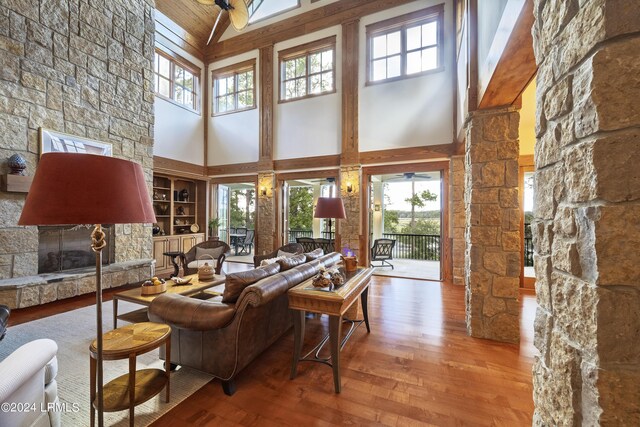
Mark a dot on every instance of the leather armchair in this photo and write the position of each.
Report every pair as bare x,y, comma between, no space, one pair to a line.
28,377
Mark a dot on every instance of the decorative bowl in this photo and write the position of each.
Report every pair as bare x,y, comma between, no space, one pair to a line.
153,287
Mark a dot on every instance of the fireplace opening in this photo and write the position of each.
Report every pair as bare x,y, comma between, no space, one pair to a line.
63,248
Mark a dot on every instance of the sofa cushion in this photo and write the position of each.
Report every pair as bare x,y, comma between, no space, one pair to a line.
285,254
236,282
288,263
314,254
214,252
271,260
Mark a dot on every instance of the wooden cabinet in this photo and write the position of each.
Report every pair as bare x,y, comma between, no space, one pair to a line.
164,244
190,241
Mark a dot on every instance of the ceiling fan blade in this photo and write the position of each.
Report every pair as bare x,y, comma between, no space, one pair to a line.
214,27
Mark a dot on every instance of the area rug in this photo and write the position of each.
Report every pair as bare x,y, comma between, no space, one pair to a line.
73,331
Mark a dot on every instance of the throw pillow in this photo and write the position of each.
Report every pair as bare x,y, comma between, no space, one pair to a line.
314,254
285,254
270,260
235,283
200,262
288,263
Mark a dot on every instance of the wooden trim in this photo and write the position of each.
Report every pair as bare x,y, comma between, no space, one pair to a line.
168,32
350,62
322,173
410,18
424,152
232,169
446,248
166,166
205,109
273,15
266,108
252,179
307,162
401,23
472,39
175,59
234,68
526,160
307,48
515,67
314,20
180,60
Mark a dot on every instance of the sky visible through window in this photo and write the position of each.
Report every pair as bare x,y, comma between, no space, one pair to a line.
271,7
399,191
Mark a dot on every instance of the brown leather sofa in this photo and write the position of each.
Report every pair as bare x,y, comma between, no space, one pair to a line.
223,338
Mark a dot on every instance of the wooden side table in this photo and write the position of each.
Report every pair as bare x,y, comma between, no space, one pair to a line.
136,387
336,303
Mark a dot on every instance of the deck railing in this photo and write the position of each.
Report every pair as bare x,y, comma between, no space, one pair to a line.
528,246
294,234
415,246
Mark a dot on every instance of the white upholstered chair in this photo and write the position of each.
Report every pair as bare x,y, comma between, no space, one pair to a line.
28,376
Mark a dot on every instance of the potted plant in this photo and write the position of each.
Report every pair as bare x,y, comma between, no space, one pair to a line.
214,224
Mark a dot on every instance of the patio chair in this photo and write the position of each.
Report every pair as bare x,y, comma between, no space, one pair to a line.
241,230
215,248
382,251
246,244
326,245
308,243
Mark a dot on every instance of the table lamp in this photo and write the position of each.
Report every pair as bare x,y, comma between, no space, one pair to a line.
70,189
329,207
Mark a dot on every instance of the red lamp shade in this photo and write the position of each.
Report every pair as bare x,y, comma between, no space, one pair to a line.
330,207
73,188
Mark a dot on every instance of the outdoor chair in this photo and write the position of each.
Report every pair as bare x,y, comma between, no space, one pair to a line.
325,244
382,251
241,230
308,243
246,244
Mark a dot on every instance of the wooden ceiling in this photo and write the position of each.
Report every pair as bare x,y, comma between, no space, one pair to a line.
196,18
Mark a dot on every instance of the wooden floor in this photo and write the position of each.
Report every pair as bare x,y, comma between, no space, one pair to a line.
417,367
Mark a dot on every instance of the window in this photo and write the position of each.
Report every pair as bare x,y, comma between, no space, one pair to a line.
260,9
405,46
176,80
234,88
308,70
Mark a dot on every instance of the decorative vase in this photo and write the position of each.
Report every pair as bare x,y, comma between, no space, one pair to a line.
17,164
184,195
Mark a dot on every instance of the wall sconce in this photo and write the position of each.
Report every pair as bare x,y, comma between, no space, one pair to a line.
349,187
263,191
376,207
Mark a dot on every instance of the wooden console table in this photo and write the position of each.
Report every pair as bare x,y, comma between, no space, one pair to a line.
304,297
136,387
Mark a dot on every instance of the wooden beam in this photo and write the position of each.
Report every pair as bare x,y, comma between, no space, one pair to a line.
350,54
516,66
317,19
266,108
206,113
171,35
177,167
307,162
233,169
423,152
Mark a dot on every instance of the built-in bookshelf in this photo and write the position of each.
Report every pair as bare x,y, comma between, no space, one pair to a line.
177,205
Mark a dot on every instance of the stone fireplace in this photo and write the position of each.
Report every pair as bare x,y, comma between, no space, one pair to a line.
69,248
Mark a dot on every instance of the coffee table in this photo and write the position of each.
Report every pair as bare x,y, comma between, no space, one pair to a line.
336,302
195,288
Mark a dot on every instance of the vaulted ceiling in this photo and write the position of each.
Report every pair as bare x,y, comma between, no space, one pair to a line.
195,18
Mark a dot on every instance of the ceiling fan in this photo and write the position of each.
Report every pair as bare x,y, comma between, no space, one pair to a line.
408,176
237,10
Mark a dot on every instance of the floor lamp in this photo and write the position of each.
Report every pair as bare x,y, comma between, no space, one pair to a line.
330,207
71,189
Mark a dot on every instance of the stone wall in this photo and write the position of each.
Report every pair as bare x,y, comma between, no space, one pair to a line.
457,214
266,214
350,226
80,67
586,232
492,255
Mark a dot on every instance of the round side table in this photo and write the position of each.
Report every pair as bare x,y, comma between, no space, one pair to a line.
136,387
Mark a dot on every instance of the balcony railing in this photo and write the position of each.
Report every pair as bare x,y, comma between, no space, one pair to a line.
528,246
415,246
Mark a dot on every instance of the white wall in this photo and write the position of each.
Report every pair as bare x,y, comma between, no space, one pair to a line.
410,112
235,138
311,126
178,132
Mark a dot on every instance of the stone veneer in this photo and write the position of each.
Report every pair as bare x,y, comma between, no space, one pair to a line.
266,214
492,258
80,67
458,220
350,226
586,232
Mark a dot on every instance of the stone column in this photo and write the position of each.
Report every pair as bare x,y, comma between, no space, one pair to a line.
458,221
492,257
586,232
266,215
350,227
